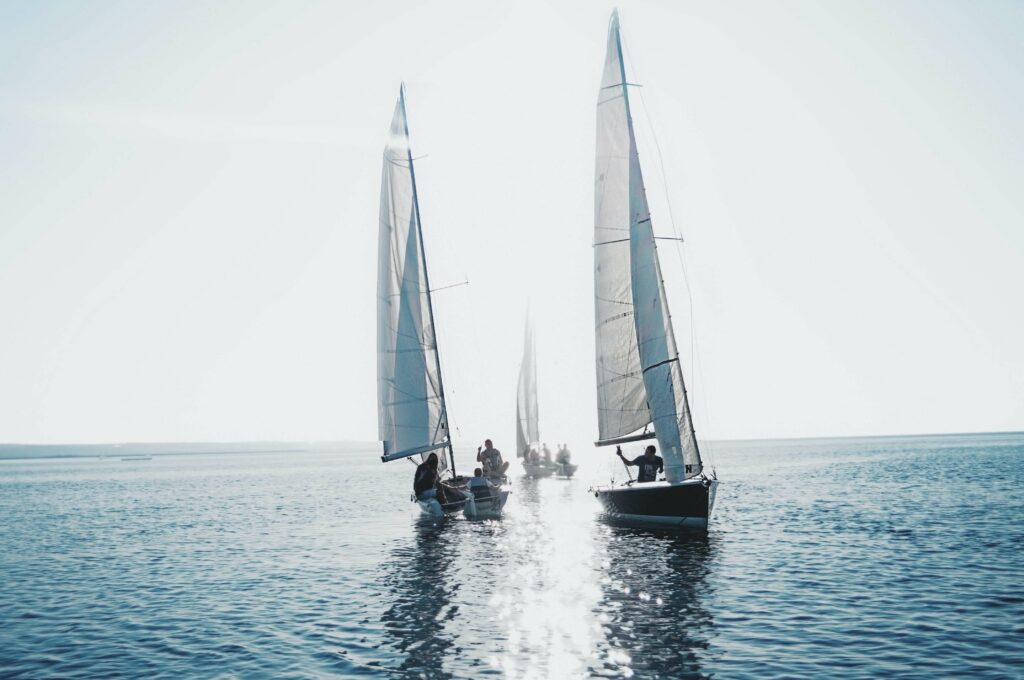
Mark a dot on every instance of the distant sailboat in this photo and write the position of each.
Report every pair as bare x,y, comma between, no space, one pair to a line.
528,412
412,413
639,378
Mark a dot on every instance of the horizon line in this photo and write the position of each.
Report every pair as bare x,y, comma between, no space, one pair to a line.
375,441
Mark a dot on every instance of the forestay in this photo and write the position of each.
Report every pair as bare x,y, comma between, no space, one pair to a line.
639,379
527,423
412,416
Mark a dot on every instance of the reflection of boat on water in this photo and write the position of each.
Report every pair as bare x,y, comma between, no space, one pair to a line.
639,377
657,622
413,416
136,457
420,601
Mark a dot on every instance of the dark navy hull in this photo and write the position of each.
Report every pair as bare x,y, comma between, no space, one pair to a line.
684,505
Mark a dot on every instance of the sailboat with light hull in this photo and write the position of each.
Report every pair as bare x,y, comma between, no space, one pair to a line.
412,412
528,412
641,394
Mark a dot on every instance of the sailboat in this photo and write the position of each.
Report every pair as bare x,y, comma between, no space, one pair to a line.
412,412
640,390
527,411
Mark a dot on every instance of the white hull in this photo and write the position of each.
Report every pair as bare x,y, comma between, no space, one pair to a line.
539,469
433,508
565,470
488,507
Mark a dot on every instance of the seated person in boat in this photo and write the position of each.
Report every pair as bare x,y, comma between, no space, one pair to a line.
427,483
479,486
534,457
563,457
547,453
491,459
650,464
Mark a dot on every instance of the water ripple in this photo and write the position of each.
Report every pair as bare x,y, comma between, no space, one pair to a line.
826,558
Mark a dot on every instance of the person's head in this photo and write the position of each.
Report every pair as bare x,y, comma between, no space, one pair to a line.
649,451
478,472
488,444
432,460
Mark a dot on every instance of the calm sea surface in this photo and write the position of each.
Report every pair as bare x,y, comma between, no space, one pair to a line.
887,557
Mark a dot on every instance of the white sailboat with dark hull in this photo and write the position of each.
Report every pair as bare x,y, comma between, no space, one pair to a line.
412,413
640,390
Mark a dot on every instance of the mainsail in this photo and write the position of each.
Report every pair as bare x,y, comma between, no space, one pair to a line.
410,396
527,425
639,378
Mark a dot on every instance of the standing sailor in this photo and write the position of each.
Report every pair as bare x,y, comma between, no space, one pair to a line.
649,463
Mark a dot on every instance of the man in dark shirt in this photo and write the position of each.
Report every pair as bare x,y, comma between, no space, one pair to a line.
426,478
649,463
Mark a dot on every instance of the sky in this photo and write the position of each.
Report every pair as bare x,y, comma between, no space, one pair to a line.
189,194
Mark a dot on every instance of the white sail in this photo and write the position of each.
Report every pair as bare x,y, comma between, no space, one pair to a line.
527,423
621,401
412,416
639,378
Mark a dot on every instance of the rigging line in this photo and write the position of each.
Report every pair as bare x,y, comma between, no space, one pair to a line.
671,216
628,84
451,285
679,253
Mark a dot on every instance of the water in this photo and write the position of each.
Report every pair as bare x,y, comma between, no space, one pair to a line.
826,558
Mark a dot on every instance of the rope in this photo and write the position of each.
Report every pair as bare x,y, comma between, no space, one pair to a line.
705,411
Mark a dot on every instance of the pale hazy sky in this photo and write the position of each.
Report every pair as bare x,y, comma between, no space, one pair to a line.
189,195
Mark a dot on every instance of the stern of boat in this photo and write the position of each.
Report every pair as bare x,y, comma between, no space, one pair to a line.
682,505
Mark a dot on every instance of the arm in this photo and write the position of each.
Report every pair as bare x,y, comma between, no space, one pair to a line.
478,454
625,461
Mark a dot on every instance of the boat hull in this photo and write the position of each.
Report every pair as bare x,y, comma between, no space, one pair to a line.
489,507
683,505
433,507
539,469
565,470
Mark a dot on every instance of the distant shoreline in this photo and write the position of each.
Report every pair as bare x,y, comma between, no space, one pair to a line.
40,451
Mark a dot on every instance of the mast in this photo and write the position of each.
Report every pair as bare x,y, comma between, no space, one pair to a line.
426,279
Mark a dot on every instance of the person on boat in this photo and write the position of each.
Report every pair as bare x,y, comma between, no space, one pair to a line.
563,457
650,464
427,483
491,458
534,456
480,486
547,452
